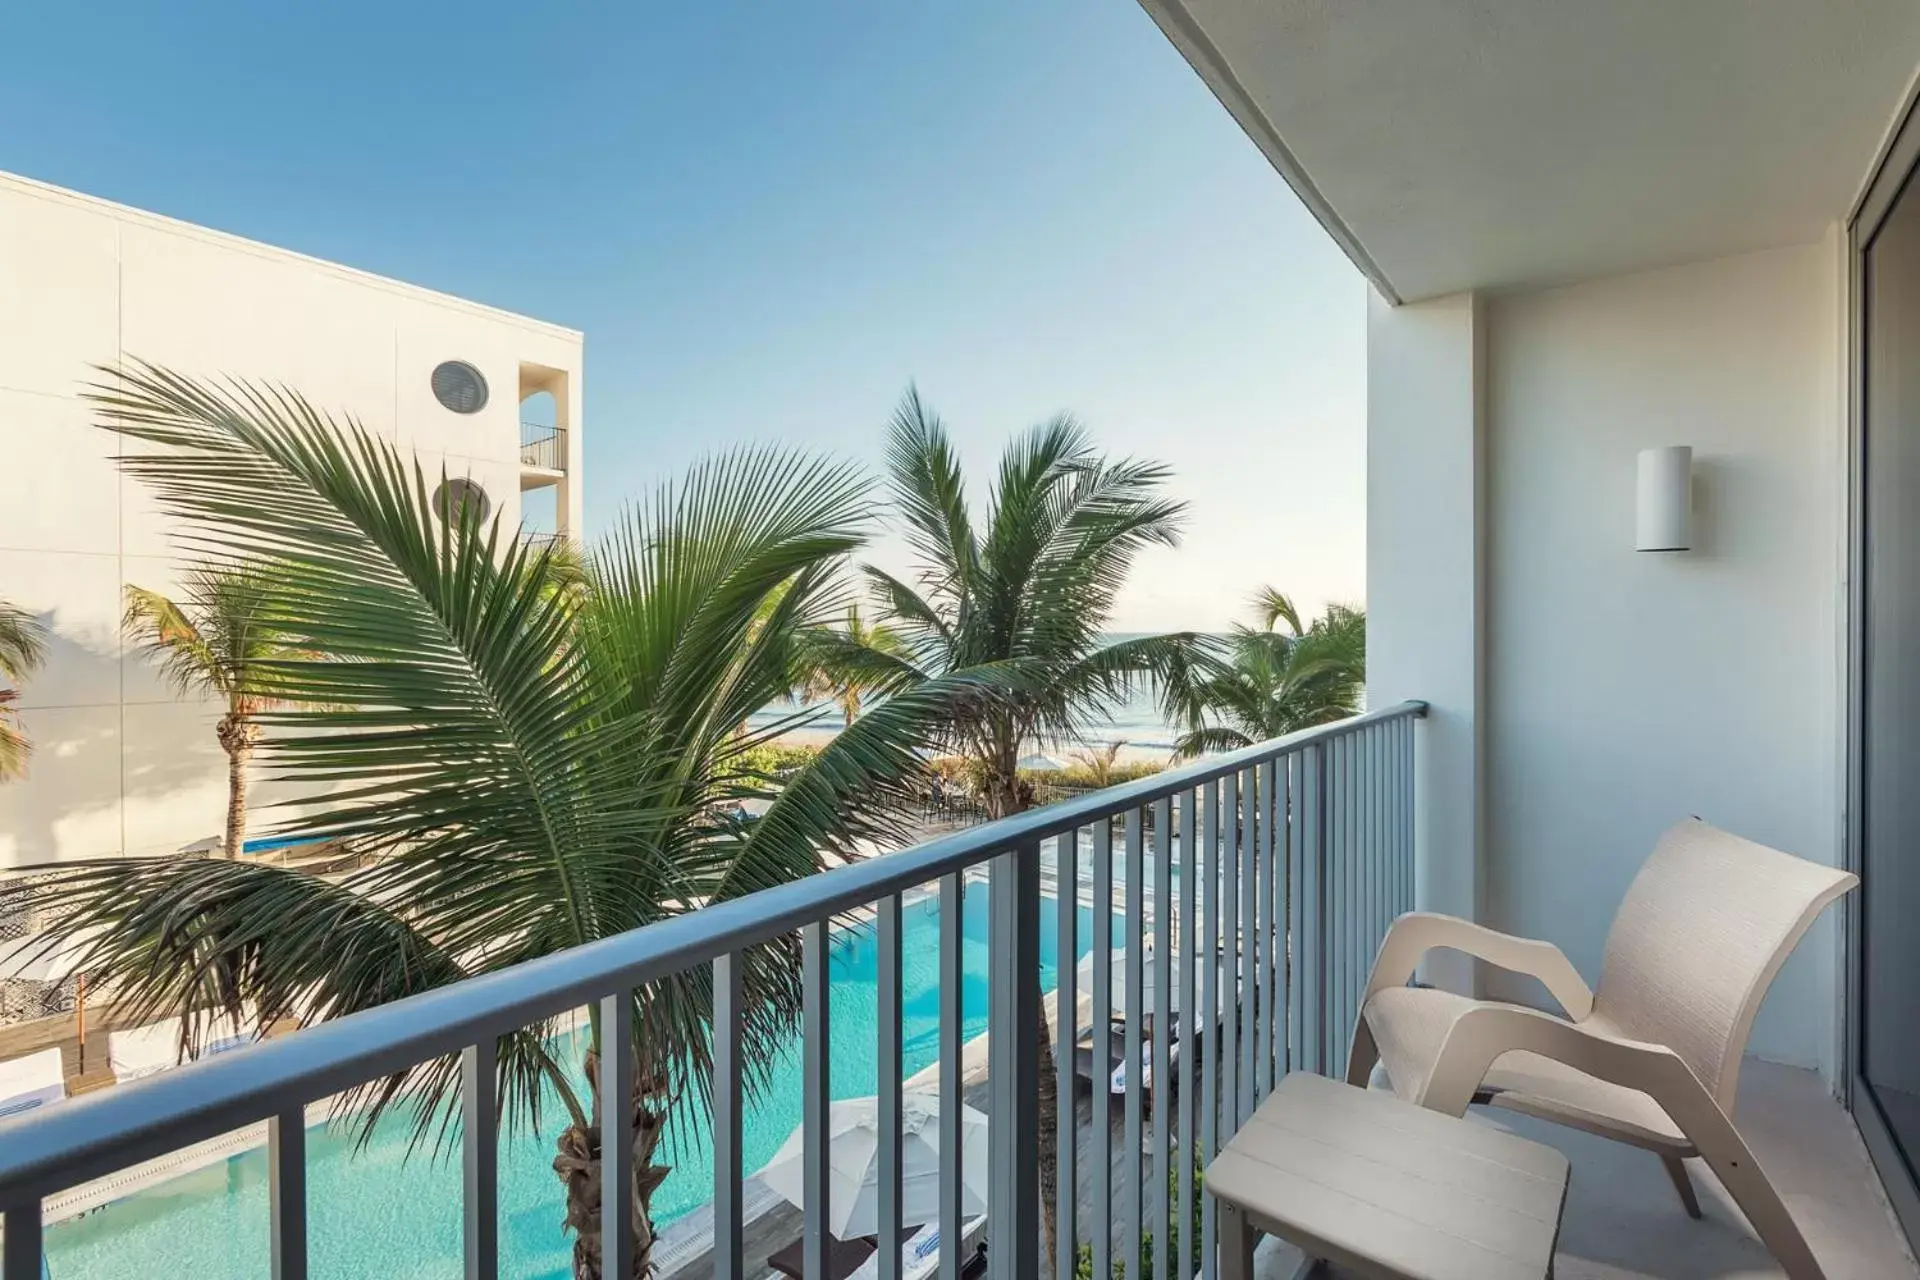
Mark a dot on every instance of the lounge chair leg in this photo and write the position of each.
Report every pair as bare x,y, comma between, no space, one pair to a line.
1728,1155
1677,1170
1363,1054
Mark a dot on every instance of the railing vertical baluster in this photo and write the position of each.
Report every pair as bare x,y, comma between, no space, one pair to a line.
1163,1030
1317,906
1132,1192
1286,883
480,1158
729,1230
1265,932
1100,1100
1187,976
616,1134
891,1067
1335,926
1344,917
1409,794
1249,1001
1292,918
952,939
1389,846
287,1192
1234,981
21,1258
1013,1199
1066,1023
816,1097
1210,1009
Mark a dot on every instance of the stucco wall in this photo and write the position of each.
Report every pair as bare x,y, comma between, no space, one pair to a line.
1626,690
1424,576
119,762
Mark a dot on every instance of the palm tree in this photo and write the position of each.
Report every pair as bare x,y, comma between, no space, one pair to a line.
1099,763
23,647
1018,606
850,684
1274,681
538,766
217,641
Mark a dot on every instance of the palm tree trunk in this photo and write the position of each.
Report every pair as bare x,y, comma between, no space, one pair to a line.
578,1165
236,736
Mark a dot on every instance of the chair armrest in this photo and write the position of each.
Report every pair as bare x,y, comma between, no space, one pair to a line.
1481,1035
1418,932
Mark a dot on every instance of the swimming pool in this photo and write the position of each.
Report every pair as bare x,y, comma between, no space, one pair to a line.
373,1212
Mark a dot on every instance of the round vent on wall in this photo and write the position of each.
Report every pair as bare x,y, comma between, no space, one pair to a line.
460,497
459,386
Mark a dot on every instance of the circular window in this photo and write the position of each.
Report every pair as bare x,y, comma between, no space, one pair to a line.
459,386
459,499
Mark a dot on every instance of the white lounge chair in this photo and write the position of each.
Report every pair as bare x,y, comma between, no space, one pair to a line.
1652,1057
920,1252
141,1051
32,1082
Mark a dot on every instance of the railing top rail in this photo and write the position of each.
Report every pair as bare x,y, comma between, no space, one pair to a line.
49,1150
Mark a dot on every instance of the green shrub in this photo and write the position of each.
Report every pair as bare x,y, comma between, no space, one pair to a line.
776,760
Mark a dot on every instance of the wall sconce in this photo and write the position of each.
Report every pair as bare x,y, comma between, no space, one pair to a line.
1664,516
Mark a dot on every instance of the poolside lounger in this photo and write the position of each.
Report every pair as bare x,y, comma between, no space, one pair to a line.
920,1254
843,1257
141,1051
32,1082
1117,1055
1651,1058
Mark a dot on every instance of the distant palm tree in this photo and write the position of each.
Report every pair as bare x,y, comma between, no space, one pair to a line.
23,647
539,764
219,641
1099,762
849,685
1275,681
1020,604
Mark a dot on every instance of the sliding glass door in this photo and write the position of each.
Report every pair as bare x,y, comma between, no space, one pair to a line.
1884,844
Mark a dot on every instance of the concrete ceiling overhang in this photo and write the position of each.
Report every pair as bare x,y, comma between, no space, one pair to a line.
1455,144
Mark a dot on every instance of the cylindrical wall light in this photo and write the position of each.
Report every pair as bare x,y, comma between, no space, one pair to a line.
1664,516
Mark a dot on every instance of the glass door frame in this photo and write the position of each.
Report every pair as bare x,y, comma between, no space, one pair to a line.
1898,168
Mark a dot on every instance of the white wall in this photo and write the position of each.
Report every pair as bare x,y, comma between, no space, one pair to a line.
121,764
1626,690
1424,576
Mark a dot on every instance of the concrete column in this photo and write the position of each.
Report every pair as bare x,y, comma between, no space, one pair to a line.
1426,535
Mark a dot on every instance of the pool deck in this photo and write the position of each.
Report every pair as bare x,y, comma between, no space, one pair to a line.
684,1248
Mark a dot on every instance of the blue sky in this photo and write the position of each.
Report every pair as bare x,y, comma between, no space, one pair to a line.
769,218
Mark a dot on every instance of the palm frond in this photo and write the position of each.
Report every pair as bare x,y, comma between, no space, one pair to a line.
23,643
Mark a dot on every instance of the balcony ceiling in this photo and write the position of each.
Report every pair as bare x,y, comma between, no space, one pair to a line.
1454,144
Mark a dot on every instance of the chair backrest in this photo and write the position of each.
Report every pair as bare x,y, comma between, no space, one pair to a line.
1705,926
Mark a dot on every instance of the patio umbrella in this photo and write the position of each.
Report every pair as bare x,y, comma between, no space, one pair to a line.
1149,987
853,1137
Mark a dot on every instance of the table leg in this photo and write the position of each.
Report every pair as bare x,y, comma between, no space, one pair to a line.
1236,1243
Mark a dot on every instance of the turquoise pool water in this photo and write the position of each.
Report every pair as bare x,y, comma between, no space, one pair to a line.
374,1212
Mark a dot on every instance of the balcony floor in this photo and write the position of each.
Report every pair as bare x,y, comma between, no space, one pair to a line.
1624,1221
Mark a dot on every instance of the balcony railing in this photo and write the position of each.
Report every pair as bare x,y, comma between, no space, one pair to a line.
1293,856
543,445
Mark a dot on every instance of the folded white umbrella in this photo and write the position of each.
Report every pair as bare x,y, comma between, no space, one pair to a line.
1149,985
29,1083
853,1139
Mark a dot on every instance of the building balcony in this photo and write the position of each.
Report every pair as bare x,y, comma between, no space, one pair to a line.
1294,857
543,449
